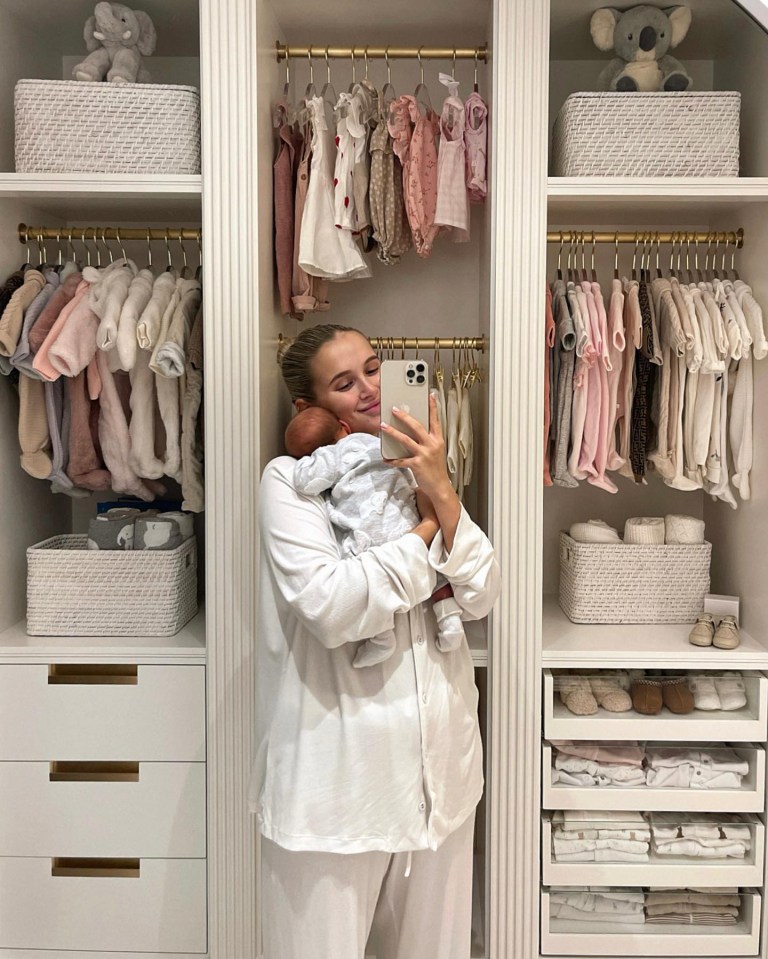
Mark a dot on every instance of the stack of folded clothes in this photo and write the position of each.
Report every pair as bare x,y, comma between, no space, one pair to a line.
581,835
598,764
596,904
700,836
701,906
694,767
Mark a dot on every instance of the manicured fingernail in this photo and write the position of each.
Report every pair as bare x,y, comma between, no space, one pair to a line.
385,426
395,409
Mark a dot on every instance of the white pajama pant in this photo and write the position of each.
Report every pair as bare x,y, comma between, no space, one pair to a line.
320,905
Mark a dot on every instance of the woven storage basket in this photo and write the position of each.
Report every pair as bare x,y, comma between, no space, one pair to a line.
621,583
647,134
76,591
68,126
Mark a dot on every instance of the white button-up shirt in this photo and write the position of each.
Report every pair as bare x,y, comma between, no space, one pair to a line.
350,760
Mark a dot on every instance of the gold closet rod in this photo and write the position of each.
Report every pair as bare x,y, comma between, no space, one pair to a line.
27,233
383,53
477,343
731,237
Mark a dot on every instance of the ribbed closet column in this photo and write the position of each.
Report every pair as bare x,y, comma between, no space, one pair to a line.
228,89
519,159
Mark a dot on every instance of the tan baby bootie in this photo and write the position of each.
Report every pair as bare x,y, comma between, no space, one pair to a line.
608,692
646,696
576,694
676,695
727,634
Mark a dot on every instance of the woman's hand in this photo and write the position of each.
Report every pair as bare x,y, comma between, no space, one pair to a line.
426,460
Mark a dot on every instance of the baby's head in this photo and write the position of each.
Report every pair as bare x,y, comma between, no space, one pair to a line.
312,428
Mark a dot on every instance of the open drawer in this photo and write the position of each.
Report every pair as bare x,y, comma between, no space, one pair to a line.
749,796
583,937
748,724
574,862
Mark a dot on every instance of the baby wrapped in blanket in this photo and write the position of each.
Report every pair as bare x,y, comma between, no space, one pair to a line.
369,502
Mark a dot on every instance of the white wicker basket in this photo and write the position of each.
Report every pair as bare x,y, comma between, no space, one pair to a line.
69,126
76,591
622,583
647,134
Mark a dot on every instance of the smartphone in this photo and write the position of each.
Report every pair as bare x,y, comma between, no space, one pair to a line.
405,384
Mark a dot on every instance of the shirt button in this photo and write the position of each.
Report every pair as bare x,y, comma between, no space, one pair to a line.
422,805
424,697
420,640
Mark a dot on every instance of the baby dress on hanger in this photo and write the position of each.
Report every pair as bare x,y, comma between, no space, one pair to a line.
452,209
476,147
325,250
388,217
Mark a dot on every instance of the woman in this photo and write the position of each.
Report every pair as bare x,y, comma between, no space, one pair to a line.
365,780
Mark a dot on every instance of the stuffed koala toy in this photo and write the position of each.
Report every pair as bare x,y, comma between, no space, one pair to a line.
117,38
641,37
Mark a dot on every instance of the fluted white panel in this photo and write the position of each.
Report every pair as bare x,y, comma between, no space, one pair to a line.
228,88
519,158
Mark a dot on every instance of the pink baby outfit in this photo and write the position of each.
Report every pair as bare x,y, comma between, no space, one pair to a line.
284,176
414,138
309,294
604,368
476,146
616,346
452,209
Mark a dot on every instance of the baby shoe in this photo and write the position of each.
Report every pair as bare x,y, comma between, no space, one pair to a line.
703,630
646,696
727,634
576,695
731,690
676,695
608,693
704,692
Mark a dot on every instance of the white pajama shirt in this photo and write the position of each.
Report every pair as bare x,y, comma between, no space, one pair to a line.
355,760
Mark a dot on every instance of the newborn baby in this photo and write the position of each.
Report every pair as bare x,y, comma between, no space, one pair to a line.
370,502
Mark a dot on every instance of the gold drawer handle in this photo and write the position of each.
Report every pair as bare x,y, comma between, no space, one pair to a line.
108,868
93,772
106,674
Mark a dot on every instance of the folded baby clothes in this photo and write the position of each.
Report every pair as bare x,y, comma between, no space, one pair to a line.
602,906
572,771
604,751
644,531
611,836
682,530
594,531
694,768
703,836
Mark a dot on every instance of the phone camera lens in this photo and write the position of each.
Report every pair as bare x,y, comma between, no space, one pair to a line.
410,374
419,379
420,367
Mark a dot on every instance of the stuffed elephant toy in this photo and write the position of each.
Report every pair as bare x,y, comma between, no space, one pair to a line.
116,38
641,37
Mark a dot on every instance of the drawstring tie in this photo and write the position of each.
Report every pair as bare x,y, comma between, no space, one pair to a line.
408,865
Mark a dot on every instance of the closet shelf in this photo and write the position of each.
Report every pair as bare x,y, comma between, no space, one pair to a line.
660,870
676,196
738,726
561,937
567,645
187,647
749,798
74,196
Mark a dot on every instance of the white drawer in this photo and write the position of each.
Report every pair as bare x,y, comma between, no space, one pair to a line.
749,724
161,908
115,809
86,713
749,798
568,937
679,872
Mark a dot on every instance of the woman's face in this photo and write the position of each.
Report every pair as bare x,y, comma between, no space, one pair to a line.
346,375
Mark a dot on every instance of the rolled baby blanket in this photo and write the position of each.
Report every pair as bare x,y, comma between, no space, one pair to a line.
110,533
186,522
683,530
593,531
164,531
644,531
